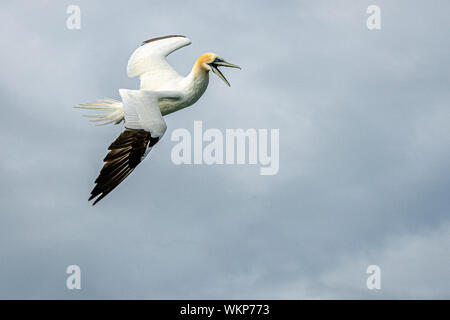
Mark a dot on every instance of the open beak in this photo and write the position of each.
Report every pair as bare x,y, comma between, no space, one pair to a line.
215,69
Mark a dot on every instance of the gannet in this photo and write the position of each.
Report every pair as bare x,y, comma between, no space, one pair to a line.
162,91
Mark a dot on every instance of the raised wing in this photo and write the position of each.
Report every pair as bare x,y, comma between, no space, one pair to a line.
149,60
144,126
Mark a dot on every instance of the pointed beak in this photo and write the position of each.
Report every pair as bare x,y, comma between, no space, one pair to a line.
226,64
223,64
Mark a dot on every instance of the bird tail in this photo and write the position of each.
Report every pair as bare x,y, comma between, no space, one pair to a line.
112,111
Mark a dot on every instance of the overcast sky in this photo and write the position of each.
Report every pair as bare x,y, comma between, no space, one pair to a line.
364,153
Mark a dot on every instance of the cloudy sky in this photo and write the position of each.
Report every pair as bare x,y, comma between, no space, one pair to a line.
364,153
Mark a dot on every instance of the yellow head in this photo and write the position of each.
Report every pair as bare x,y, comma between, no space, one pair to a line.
210,62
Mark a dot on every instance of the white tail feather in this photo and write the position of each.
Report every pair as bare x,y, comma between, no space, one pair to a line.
113,111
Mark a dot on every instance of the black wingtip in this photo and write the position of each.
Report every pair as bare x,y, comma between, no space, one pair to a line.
126,152
162,38
92,197
98,198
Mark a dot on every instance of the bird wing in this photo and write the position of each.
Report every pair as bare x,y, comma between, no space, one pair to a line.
149,60
144,126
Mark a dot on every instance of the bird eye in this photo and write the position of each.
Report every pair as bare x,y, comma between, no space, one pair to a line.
217,60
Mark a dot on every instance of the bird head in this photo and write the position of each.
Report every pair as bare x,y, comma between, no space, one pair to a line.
212,62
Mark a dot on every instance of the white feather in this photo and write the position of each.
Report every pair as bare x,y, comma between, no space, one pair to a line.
149,62
142,111
168,91
112,111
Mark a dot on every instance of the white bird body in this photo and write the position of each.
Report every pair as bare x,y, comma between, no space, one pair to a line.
162,91
155,73
191,89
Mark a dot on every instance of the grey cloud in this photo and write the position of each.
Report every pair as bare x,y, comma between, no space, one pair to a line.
364,152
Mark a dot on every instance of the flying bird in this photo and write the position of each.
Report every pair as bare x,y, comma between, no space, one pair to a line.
162,91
